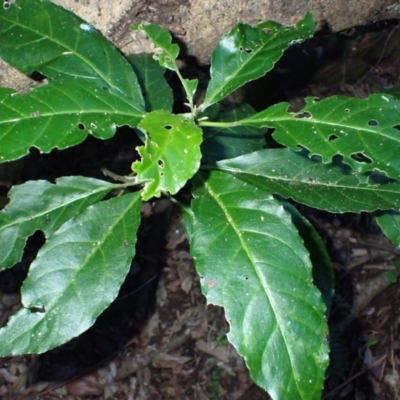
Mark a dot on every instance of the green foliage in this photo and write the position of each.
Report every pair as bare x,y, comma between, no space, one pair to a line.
246,53
257,256
244,242
57,204
171,154
60,281
361,130
158,95
26,120
166,53
39,36
334,187
220,143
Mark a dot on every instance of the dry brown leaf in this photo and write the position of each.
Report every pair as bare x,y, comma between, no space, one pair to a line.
87,386
220,353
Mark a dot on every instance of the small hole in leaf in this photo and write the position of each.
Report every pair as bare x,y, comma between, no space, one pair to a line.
249,51
240,48
168,127
92,125
304,114
361,158
161,163
332,137
373,122
6,5
81,126
347,110
35,309
105,88
267,31
167,59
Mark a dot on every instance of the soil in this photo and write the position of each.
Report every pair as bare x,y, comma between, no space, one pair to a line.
159,339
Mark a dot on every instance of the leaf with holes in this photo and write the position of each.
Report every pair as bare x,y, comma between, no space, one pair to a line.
333,187
157,93
366,132
247,53
171,154
41,205
166,53
77,274
61,114
40,36
252,262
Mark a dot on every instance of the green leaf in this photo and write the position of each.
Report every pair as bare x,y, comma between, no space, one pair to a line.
38,35
166,53
60,114
41,205
389,222
395,92
246,53
76,275
156,91
222,143
392,277
364,131
252,262
333,187
322,269
171,154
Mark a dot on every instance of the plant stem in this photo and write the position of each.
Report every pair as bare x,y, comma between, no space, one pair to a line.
187,91
218,124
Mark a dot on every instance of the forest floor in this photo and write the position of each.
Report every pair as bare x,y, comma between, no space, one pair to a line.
177,348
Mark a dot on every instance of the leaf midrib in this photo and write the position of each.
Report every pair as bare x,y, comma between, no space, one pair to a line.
209,102
248,253
63,45
321,122
30,218
238,171
89,255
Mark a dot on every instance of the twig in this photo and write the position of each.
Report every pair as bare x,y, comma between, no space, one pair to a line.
118,178
131,365
380,57
389,248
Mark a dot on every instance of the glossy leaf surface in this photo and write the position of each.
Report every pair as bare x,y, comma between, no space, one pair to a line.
41,205
334,188
252,262
37,35
166,53
246,53
171,154
60,114
222,143
76,275
157,93
364,131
